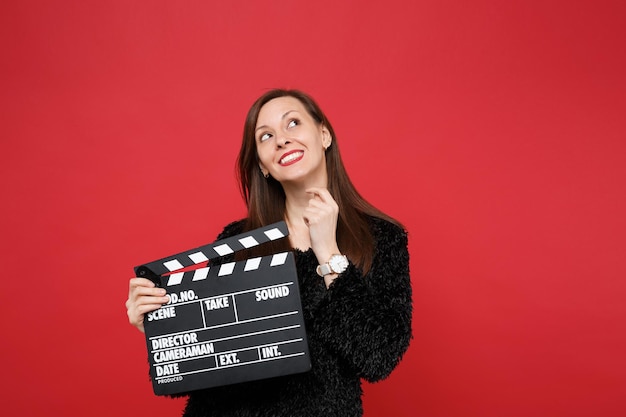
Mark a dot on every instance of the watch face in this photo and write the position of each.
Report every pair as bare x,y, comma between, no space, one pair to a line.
338,263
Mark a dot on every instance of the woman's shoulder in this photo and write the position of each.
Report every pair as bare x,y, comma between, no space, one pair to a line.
385,227
231,229
388,235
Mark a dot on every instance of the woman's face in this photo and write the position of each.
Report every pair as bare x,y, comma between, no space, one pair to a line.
290,143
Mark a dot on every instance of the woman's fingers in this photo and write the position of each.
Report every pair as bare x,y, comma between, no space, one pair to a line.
321,217
143,297
322,194
322,207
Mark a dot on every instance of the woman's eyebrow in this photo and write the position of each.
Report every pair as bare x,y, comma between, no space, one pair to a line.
285,115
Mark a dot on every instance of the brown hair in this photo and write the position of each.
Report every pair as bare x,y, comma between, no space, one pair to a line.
265,198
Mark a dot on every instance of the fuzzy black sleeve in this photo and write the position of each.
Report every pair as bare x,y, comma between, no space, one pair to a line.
366,319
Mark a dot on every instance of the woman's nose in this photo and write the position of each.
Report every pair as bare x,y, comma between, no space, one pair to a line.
281,141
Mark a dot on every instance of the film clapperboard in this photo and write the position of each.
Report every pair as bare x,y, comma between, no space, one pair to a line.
228,323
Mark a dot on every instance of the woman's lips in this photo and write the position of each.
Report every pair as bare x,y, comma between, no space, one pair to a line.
291,158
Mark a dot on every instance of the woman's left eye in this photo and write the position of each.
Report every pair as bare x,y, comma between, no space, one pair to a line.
292,123
264,137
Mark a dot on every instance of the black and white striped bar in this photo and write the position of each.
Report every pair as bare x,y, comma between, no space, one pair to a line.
213,250
223,270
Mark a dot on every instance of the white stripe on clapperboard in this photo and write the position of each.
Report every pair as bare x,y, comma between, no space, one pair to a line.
227,268
199,274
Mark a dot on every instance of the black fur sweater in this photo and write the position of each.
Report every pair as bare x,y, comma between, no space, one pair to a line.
359,328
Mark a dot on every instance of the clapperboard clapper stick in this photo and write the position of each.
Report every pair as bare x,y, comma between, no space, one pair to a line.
228,323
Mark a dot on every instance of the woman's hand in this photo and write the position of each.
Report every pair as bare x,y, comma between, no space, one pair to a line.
143,297
321,218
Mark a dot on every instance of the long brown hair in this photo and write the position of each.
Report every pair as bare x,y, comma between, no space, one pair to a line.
265,198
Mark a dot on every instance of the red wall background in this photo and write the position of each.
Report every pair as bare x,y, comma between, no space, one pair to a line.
494,130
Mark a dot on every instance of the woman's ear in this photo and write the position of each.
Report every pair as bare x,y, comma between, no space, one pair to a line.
327,138
264,171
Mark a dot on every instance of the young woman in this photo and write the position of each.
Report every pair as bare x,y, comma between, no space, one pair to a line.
352,262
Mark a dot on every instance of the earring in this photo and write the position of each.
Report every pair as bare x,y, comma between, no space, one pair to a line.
265,173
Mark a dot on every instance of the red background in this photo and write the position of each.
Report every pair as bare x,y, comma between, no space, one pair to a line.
494,130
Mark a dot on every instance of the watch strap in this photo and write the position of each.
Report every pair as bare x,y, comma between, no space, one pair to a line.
323,270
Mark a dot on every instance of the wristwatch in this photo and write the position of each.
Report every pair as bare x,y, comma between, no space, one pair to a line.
336,264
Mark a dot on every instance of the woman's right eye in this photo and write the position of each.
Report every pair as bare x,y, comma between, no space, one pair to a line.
264,137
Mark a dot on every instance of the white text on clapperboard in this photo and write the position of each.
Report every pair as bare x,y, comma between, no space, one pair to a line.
169,350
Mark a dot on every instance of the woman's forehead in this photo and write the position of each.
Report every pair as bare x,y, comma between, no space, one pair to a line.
278,107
